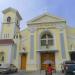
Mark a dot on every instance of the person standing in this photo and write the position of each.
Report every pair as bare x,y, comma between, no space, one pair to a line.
50,70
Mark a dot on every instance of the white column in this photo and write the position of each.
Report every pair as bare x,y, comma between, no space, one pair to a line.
38,41
10,54
31,62
57,62
32,45
54,40
38,61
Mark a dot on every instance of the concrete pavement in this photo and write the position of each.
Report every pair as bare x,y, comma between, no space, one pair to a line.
34,73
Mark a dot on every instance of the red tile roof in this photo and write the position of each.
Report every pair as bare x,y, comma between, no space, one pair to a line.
6,41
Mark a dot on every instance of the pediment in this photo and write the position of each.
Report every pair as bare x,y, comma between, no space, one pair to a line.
45,18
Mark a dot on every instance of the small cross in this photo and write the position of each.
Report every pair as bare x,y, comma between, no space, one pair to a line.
46,40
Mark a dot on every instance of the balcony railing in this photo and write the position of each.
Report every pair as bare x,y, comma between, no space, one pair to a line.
6,36
9,36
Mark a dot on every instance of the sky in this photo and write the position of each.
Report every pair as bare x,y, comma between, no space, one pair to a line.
29,9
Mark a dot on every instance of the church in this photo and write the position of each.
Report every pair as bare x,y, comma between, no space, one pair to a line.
46,38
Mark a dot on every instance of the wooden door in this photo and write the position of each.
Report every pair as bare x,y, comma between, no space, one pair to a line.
23,61
47,56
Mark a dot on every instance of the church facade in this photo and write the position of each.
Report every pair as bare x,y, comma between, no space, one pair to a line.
46,38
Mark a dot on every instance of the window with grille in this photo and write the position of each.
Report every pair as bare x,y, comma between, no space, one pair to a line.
46,39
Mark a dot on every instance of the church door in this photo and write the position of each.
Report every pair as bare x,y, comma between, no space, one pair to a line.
23,61
47,56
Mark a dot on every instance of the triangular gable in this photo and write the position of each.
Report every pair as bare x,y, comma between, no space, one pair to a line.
45,18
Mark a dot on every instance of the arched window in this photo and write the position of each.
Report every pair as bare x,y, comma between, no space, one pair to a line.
9,19
46,39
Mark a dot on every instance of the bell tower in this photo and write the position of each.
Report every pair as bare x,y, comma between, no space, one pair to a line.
11,23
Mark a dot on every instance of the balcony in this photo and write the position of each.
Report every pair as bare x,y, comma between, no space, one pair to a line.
9,36
6,36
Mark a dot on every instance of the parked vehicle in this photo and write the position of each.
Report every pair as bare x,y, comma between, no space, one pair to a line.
7,68
68,67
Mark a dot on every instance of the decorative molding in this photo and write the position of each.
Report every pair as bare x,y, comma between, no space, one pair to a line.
48,26
9,23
